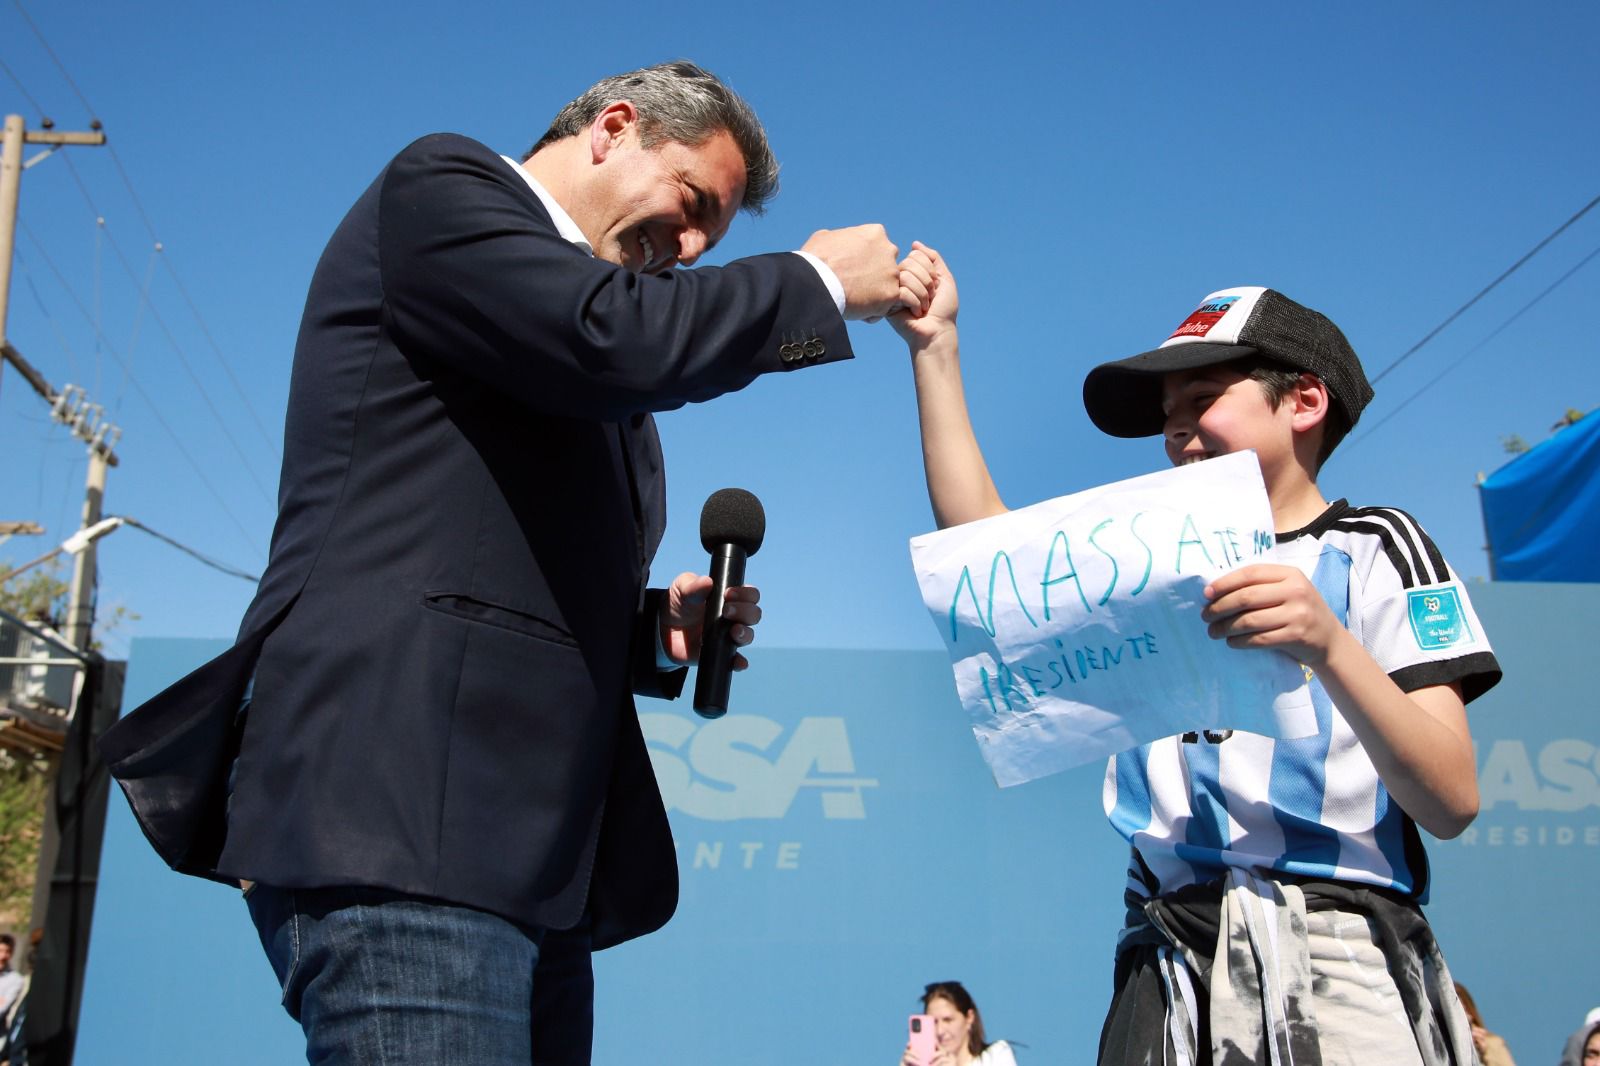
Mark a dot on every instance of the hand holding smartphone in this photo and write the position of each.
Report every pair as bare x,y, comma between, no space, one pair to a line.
923,1042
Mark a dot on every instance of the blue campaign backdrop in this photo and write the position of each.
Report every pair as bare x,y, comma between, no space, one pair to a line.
1541,510
841,843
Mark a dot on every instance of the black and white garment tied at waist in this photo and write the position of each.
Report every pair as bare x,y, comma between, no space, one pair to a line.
1173,1004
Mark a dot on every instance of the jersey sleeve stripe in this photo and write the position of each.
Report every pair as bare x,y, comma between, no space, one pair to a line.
1405,532
1477,672
1405,564
1441,572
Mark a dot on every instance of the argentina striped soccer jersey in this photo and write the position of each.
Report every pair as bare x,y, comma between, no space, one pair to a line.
1193,805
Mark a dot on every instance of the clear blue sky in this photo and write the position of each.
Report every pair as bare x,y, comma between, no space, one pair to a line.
1090,172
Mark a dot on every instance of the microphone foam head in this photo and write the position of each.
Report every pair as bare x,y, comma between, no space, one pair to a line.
733,516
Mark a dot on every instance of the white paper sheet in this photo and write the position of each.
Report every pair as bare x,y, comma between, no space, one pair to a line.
1074,625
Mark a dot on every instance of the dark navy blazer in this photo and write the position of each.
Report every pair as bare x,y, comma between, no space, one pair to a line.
454,614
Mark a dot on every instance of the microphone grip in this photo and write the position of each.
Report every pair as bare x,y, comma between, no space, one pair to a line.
717,649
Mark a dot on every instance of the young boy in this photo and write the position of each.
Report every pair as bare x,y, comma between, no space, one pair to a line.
1273,886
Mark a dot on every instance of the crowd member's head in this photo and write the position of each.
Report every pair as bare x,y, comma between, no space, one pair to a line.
654,163
956,1020
1591,1046
8,945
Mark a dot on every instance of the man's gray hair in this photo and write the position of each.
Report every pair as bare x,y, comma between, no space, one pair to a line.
681,103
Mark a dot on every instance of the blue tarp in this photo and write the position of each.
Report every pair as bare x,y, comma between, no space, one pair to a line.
1541,511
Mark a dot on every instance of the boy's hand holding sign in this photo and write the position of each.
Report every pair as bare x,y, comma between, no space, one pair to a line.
1075,625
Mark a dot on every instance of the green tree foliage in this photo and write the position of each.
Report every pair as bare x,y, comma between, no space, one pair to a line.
38,595
24,783
1514,444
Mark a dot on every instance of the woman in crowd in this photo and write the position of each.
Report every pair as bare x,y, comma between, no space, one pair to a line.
958,1028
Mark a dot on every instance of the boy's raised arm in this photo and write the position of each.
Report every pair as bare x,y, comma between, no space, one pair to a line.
959,485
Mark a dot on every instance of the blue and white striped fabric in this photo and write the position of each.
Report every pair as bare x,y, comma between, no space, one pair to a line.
1194,806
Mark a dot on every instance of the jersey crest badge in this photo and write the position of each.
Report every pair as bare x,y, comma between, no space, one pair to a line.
1437,619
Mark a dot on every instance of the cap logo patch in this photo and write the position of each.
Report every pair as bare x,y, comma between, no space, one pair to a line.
1204,317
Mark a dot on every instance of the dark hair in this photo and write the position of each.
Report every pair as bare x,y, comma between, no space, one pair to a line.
1277,380
961,1000
9,941
684,104
1594,1031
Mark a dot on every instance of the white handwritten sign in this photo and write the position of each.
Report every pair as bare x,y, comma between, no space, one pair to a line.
1074,625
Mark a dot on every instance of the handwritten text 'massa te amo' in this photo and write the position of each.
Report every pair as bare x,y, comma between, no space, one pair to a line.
1187,546
1120,561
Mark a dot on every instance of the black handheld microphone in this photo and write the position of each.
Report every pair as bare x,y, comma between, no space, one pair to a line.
732,525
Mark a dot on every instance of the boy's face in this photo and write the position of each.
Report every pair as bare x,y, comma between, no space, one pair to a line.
1216,410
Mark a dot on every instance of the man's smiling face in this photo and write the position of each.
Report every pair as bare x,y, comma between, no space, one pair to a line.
652,209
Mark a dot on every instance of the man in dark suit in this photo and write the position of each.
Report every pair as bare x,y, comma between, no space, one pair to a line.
422,750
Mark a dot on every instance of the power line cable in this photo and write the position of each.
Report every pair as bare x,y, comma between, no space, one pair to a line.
172,340
100,336
149,402
194,309
1474,349
177,349
205,331
138,205
1512,269
51,52
44,309
23,89
223,567
183,359
138,320
99,303
144,216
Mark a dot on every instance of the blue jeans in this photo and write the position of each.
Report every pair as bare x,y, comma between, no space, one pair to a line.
381,979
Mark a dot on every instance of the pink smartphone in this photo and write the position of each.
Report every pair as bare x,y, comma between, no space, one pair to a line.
924,1044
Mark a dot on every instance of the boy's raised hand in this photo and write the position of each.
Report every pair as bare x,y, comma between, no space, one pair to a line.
959,485
924,274
1269,606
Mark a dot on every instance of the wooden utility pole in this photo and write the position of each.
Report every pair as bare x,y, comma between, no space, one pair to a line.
71,408
12,165
54,998
80,599
80,616
69,850
12,529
